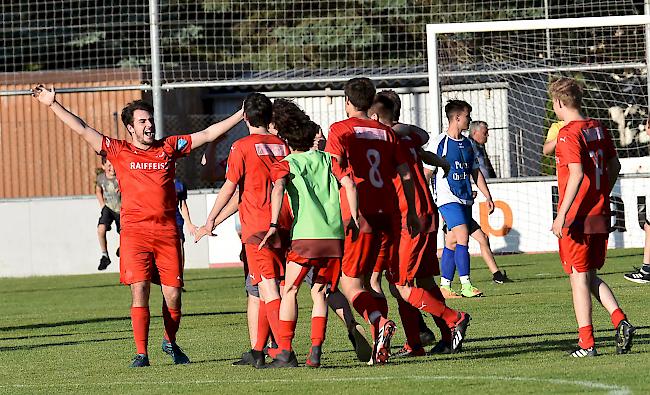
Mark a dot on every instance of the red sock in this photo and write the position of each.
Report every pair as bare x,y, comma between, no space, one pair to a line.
140,321
425,300
262,327
586,336
287,331
171,320
382,303
365,304
617,317
318,328
445,332
410,321
273,315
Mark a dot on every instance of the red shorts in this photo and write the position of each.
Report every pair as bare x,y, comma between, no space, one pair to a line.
417,258
326,270
388,253
584,252
151,256
267,263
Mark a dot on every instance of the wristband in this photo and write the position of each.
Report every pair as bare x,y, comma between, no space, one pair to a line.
273,225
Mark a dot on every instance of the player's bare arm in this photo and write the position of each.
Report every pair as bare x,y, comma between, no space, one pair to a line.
225,194
412,220
185,213
402,129
480,182
576,173
48,98
549,147
277,196
353,202
216,130
99,193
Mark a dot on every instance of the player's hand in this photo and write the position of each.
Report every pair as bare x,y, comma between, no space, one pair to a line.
490,205
192,228
44,95
200,232
353,228
558,224
272,230
413,224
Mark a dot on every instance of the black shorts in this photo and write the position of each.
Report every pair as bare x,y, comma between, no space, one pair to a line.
107,217
473,227
251,290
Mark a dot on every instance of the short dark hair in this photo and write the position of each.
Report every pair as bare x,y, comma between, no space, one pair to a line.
300,137
397,102
293,125
454,107
384,107
361,92
258,109
127,112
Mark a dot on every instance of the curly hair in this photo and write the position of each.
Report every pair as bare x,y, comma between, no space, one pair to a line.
293,125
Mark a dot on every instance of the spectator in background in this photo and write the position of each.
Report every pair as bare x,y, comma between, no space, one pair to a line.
183,216
478,135
109,196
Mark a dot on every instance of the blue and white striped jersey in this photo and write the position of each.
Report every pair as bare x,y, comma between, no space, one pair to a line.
457,186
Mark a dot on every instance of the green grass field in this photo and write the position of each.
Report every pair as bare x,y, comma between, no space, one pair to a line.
73,334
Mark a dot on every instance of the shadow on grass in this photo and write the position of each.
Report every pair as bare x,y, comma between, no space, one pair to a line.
63,334
68,343
36,289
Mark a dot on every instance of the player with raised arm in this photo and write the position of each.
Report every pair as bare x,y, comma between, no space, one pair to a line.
587,169
311,179
453,195
370,150
417,255
249,169
145,168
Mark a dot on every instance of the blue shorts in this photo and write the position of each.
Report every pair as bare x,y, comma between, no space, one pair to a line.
456,214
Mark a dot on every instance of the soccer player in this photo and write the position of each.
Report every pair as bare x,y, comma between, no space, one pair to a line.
249,168
145,169
587,169
417,254
453,195
108,194
311,179
642,275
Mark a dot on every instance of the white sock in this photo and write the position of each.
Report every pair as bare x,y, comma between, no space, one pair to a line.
464,279
444,282
374,316
105,253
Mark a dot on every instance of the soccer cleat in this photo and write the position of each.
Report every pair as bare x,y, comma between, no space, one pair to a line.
470,291
639,276
624,336
258,359
584,352
361,346
382,342
442,348
313,359
406,352
458,332
499,278
104,262
246,359
285,359
427,337
172,349
449,293
139,361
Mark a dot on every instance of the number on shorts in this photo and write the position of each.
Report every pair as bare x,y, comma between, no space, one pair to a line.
374,158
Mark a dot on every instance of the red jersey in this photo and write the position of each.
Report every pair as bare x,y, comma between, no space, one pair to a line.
424,204
146,179
371,150
249,166
589,143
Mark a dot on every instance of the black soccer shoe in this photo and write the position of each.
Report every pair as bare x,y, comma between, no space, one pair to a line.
139,361
639,276
104,262
259,361
500,277
584,352
624,336
246,359
313,359
285,359
427,337
458,332
442,348
172,349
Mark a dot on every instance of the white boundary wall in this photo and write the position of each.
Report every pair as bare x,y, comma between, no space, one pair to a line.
58,236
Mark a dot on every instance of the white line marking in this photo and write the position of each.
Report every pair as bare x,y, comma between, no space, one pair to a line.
612,389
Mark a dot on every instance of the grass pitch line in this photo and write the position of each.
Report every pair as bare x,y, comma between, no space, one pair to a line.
592,385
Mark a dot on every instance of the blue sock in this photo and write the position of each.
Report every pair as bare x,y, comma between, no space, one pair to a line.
447,264
461,259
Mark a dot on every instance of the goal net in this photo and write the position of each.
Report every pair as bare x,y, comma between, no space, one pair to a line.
515,61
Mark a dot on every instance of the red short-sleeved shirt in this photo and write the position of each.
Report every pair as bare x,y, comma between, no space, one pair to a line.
146,179
424,204
370,149
249,166
589,143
